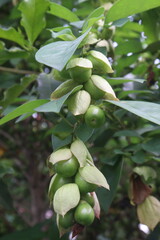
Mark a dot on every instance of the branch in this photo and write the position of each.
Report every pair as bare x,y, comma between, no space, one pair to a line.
17,71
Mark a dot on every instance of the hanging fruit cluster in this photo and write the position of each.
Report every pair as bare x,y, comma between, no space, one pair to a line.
72,187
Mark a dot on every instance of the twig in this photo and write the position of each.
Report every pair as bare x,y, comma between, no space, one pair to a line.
17,71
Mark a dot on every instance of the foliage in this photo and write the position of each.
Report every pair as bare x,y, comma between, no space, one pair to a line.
37,39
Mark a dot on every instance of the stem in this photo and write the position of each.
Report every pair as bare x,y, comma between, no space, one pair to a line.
70,124
17,71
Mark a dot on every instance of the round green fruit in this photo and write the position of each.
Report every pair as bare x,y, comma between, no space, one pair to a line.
67,168
66,221
80,69
84,186
84,214
56,182
88,198
94,117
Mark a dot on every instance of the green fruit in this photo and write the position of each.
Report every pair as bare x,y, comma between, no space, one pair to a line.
80,69
101,65
56,182
88,198
93,90
84,214
67,168
84,186
94,117
66,221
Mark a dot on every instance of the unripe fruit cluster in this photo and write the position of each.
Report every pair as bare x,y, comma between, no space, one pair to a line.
75,174
67,171
94,87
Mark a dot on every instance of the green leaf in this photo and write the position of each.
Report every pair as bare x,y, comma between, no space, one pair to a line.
91,174
125,8
60,155
147,110
12,53
150,26
65,34
116,81
33,20
66,198
139,157
12,35
123,94
93,18
55,105
62,12
79,102
59,143
24,108
84,132
13,92
152,146
63,89
127,133
112,174
131,46
79,150
57,54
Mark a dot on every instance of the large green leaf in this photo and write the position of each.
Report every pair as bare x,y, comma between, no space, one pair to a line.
133,46
152,146
150,26
14,91
147,110
33,17
125,8
57,54
12,35
62,12
112,174
55,105
116,81
24,108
